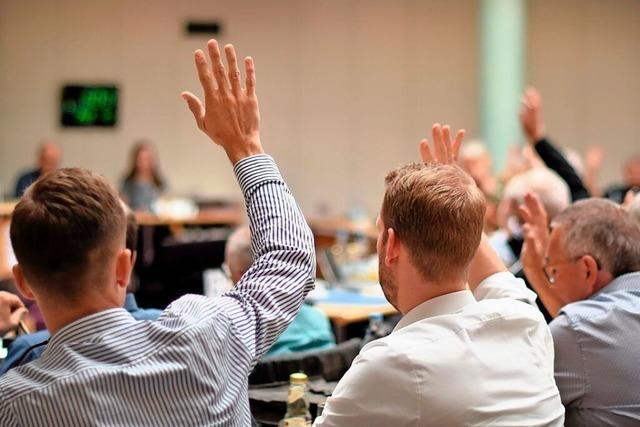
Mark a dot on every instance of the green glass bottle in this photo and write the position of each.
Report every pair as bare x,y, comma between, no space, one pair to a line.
298,414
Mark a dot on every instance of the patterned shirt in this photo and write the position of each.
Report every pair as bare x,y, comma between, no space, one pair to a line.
190,367
597,354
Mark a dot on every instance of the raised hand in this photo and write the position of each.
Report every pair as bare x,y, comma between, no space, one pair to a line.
594,157
445,150
536,232
11,311
230,115
531,115
536,239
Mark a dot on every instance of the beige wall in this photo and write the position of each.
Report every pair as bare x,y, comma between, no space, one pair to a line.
346,87
584,56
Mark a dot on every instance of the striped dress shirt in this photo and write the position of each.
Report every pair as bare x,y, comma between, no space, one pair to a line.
190,367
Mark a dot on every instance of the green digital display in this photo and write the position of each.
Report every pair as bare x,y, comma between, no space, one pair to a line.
84,106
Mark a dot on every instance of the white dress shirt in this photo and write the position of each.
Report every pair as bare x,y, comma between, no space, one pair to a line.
458,359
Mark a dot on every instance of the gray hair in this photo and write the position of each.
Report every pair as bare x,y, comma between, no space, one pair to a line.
238,251
604,230
546,184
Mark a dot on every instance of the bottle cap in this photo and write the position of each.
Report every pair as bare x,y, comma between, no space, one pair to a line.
298,378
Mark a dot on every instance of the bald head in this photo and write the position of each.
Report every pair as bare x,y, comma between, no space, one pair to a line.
49,155
238,254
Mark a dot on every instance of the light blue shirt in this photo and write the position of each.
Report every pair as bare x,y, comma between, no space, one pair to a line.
310,330
597,349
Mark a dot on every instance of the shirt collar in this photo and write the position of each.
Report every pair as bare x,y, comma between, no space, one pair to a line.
444,304
626,282
91,326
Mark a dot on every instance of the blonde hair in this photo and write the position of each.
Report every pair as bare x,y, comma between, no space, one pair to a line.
437,212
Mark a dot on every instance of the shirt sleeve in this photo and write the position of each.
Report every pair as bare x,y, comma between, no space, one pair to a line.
379,390
568,364
504,285
557,162
270,293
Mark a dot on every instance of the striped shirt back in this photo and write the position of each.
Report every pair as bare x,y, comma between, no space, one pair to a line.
190,367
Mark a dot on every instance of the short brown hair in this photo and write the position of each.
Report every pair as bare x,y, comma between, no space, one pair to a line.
131,241
604,230
437,211
64,229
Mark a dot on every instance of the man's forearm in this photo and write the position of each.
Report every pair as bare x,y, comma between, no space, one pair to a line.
490,279
549,298
485,263
273,289
557,162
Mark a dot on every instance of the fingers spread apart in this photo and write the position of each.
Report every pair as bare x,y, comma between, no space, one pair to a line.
224,81
445,149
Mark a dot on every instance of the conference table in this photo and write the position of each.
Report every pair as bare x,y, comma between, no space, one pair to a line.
344,315
325,229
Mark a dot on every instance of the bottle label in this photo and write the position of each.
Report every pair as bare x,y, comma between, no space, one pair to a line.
295,393
296,422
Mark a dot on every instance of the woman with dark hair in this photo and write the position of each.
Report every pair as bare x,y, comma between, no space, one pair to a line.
143,184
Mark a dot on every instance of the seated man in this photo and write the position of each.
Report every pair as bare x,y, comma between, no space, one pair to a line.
591,264
49,155
30,347
310,330
554,194
480,354
191,366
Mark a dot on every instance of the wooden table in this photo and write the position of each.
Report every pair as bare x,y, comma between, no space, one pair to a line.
228,216
343,315
330,226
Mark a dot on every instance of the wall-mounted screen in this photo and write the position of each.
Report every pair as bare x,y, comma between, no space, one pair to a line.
84,106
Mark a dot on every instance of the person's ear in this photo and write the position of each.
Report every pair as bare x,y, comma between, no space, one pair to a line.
21,283
392,247
123,268
590,271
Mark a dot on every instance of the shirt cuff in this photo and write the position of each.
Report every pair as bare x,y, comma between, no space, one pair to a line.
499,276
255,170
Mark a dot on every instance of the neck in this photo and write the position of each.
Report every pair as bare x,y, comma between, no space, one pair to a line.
413,290
58,314
603,278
